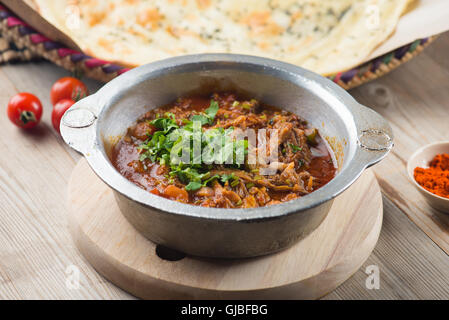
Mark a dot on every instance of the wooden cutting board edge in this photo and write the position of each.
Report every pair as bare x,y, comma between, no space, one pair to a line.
142,273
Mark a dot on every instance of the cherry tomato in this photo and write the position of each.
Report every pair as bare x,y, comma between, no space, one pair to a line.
58,111
68,88
24,110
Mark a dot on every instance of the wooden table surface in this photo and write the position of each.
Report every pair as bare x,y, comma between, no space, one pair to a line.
36,248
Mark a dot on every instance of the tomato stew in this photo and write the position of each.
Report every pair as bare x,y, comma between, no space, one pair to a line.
304,162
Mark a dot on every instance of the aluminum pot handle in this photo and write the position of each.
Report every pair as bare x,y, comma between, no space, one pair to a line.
375,136
78,125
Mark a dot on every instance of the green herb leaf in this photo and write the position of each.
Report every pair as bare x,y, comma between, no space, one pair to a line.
246,106
215,177
164,124
209,114
226,177
193,186
201,118
295,148
235,182
232,179
212,110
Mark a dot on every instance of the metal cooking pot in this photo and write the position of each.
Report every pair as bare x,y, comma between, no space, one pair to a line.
359,136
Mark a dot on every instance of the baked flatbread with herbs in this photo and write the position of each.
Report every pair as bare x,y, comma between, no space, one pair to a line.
325,36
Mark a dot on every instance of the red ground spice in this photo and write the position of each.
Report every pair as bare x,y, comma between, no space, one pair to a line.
435,178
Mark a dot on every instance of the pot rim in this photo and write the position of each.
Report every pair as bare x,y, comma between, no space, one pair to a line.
79,130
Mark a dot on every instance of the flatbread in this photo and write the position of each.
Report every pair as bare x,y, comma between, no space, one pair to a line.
325,36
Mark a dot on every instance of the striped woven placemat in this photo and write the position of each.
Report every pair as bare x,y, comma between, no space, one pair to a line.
9,52
20,42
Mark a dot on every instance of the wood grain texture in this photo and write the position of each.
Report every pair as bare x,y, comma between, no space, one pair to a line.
307,270
410,266
415,99
36,248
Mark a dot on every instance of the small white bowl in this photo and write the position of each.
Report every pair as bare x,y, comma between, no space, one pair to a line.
421,158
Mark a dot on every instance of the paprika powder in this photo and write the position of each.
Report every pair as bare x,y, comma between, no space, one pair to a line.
435,178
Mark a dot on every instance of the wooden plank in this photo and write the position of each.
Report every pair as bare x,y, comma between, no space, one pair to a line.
410,265
35,246
415,99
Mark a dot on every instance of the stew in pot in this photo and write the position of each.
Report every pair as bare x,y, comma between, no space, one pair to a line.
160,153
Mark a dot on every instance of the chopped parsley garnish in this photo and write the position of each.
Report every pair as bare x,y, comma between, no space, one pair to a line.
158,146
209,114
170,139
249,185
231,178
193,186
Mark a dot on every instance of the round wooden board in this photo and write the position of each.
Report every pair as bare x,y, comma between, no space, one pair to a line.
308,270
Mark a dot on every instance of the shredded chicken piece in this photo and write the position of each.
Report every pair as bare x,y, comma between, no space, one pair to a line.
261,195
234,197
250,202
238,173
273,202
285,131
219,198
241,190
205,192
